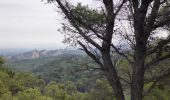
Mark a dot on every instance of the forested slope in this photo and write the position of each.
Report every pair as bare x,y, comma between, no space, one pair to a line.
79,73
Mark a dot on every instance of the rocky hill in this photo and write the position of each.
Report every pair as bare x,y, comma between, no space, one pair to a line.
43,53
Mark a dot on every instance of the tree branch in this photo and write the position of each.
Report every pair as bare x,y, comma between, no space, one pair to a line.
91,55
90,28
121,53
73,22
159,77
135,4
156,60
117,11
110,21
151,87
160,44
126,81
153,15
163,23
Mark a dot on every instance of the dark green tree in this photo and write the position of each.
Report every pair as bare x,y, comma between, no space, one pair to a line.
95,29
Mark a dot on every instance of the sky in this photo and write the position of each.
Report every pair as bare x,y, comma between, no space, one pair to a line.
31,24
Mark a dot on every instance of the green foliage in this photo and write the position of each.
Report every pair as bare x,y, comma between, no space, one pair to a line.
7,96
158,94
68,77
101,91
61,69
25,86
2,88
87,15
28,65
31,94
2,60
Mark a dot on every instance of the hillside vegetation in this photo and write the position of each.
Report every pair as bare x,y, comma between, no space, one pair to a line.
75,71
25,86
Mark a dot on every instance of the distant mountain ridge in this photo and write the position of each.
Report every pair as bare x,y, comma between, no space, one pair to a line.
43,53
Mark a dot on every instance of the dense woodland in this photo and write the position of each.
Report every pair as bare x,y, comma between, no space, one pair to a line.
65,77
55,82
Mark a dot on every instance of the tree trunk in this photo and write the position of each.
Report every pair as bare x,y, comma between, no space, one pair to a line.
112,76
138,72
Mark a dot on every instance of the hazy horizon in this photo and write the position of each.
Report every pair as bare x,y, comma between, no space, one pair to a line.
30,24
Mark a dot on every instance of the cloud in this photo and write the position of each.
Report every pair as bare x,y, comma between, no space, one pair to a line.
28,21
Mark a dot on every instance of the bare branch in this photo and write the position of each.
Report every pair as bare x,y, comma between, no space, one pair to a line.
91,55
117,11
156,60
88,67
122,54
151,87
153,15
126,81
162,23
163,1
159,77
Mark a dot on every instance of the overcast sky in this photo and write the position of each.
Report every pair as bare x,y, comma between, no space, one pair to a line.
30,24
